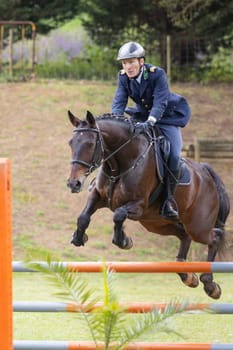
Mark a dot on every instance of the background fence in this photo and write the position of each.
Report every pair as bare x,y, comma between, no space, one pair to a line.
209,148
7,31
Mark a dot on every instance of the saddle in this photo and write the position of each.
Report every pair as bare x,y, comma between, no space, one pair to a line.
162,153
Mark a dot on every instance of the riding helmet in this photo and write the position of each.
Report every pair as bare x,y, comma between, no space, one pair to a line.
130,50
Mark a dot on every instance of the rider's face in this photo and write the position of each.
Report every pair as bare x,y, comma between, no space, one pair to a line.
132,66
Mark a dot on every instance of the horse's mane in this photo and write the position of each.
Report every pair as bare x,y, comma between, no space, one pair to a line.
115,117
125,121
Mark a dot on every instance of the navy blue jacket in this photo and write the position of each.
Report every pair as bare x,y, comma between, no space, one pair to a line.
152,97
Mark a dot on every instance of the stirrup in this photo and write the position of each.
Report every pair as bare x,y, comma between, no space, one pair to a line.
168,212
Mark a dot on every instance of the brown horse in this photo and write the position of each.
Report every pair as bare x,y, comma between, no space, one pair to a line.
127,179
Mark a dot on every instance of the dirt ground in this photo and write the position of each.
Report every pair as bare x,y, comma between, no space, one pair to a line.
34,134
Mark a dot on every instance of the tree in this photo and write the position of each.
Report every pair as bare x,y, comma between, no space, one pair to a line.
215,20
111,23
45,14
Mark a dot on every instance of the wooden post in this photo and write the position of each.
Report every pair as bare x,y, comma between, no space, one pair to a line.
1,45
197,155
33,47
11,51
6,309
22,46
13,24
168,56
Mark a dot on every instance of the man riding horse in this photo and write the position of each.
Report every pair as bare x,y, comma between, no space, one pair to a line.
147,86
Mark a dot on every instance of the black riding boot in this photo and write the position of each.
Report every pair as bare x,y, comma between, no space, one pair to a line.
169,209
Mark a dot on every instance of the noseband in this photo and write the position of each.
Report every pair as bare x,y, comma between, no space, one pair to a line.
98,154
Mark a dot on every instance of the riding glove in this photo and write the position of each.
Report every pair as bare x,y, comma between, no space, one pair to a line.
144,127
152,120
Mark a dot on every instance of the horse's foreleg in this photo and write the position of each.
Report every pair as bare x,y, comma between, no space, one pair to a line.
119,238
211,288
80,237
131,210
189,279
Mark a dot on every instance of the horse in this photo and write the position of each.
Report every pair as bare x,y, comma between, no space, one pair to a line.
128,178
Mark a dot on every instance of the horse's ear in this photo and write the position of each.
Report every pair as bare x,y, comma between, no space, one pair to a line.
74,120
90,119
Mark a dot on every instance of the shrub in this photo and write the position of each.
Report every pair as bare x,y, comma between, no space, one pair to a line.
220,68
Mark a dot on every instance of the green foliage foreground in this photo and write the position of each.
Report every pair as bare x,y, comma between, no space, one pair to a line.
108,324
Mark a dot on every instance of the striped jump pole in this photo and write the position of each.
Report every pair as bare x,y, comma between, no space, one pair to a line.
137,266
85,345
6,317
135,307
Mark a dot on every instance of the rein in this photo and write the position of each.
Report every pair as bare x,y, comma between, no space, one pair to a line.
113,179
98,157
99,151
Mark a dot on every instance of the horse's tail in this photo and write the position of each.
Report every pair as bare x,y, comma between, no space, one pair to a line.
224,210
224,201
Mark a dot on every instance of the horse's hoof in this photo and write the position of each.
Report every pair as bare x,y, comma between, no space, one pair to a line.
85,238
192,280
77,241
189,279
127,243
213,290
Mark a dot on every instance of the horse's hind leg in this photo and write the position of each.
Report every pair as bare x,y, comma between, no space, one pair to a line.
120,239
189,279
211,288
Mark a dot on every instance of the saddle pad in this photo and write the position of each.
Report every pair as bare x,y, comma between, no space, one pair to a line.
185,175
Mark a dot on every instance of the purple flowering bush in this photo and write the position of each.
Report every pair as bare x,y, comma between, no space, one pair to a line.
60,45
65,53
49,48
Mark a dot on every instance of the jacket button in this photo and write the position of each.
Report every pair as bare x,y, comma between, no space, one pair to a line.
142,100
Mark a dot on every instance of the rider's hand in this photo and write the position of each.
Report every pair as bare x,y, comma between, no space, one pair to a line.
152,120
141,128
144,127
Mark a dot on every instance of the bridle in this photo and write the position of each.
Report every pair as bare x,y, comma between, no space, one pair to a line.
98,157
98,154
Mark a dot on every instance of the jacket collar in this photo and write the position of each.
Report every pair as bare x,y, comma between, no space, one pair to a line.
144,80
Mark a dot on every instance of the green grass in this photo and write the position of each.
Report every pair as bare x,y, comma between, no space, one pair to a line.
23,196
194,326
